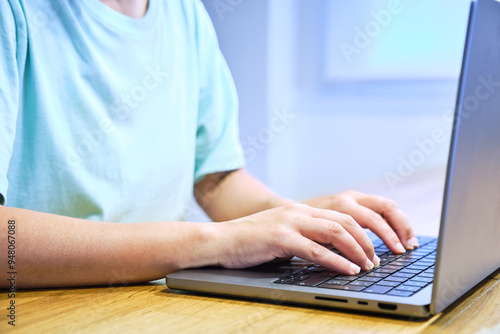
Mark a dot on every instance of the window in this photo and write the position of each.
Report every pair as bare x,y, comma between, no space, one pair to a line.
394,39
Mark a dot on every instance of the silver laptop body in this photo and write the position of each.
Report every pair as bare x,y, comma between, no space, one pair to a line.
468,245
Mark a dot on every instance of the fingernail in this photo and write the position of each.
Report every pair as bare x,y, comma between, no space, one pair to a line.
376,260
355,269
412,243
369,265
400,248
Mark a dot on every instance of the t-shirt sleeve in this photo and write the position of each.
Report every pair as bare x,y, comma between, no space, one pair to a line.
218,148
9,88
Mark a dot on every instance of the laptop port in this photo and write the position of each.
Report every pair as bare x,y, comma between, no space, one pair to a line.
390,307
338,300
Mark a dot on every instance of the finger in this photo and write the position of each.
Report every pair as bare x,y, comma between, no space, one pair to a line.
394,217
351,226
364,217
333,233
309,250
375,223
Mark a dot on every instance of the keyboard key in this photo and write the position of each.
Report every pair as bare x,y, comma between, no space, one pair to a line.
411,259
411,256
329,273
391,266
347,278
341,287
396,279
361,283
428,259
362,273
400,274
411,288
416,283
417,267
386,270
382,248
377,274
380,252
424,240
370,279
422,279
410,271
300,272
381,289
394,256
426,275
389,283
336,282
421,253
399,293
424,263
311,281
297,273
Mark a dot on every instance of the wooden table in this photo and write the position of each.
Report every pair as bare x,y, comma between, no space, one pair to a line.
152,307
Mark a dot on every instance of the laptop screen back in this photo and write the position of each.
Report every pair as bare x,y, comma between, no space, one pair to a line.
469,241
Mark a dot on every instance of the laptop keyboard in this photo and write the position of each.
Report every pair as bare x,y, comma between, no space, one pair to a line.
398,274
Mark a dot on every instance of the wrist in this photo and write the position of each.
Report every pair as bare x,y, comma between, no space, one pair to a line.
199,247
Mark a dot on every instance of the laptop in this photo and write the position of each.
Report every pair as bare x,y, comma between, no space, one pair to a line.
427,280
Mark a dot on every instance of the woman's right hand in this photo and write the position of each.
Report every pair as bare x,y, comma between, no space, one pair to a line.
295,230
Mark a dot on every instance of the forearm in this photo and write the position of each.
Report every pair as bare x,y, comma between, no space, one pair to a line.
234,196
56,251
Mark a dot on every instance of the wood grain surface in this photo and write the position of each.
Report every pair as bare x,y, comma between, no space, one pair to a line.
153,308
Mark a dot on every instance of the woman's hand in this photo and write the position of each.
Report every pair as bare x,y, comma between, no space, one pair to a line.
380,215
295,230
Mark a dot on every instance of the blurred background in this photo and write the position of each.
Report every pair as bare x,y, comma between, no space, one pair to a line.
339,95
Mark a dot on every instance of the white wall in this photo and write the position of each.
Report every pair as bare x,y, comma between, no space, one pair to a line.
353,131
242,28
346,131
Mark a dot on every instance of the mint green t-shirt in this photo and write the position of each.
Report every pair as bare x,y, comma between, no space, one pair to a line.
107,117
